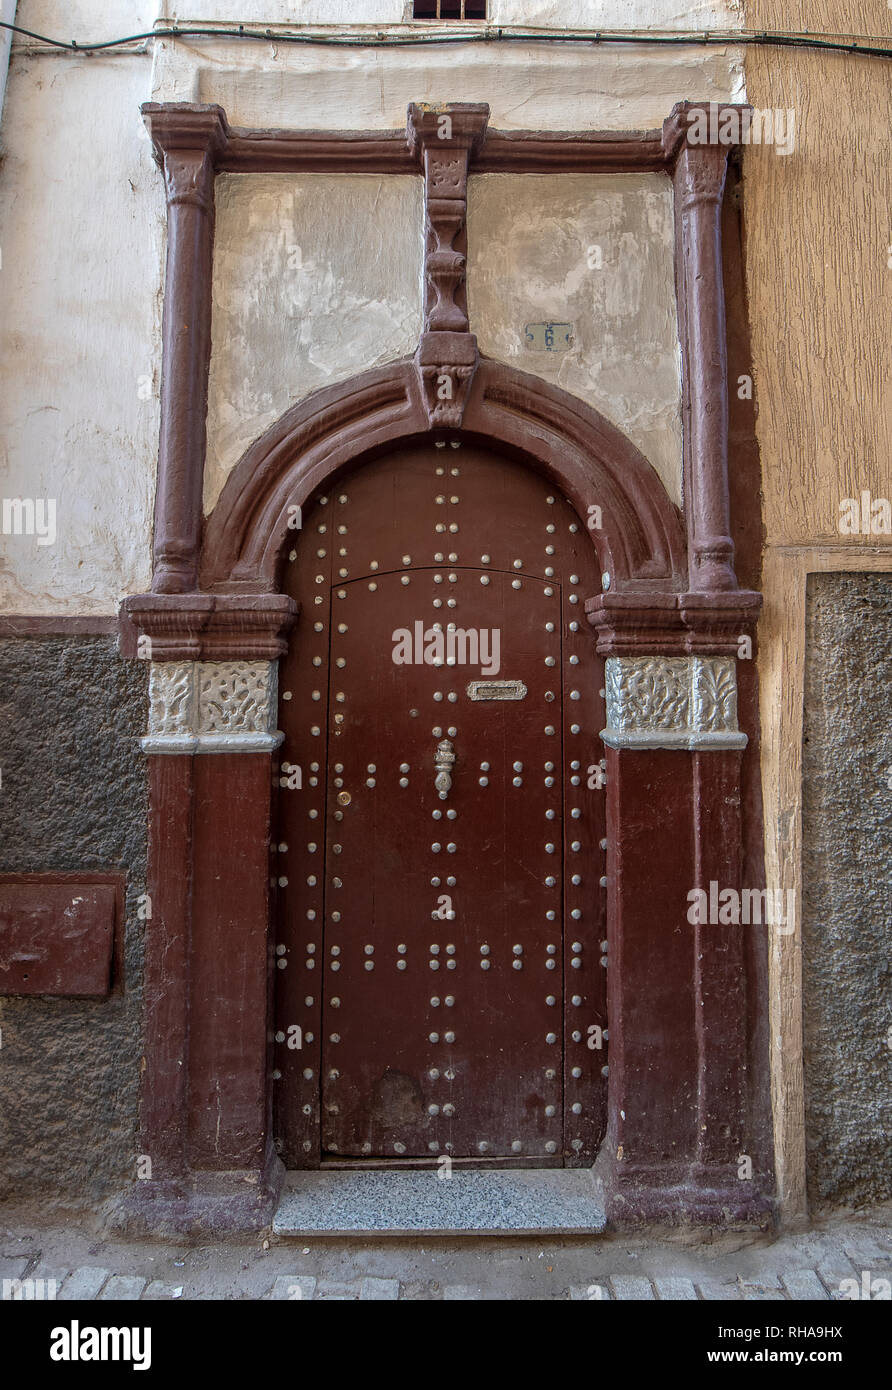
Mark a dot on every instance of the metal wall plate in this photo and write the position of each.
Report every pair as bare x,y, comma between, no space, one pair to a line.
497,690
549,337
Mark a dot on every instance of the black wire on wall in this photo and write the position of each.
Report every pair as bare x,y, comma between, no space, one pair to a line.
867,47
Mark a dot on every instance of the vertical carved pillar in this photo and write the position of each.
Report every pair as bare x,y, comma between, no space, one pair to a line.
699,176
444,138
186,140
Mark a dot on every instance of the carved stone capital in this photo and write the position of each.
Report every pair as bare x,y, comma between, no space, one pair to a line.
709,623
187,140
212,707
191,627
687,702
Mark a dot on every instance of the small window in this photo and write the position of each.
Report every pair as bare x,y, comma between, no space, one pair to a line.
449,9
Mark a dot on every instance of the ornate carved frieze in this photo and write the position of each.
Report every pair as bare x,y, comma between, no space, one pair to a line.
672,702
212,707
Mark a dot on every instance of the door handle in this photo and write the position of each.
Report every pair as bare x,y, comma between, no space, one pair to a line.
444,763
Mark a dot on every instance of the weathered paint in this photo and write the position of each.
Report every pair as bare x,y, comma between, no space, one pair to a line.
316,277
594,250
81,236
529,86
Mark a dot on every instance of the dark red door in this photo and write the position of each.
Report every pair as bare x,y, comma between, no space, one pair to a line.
440,986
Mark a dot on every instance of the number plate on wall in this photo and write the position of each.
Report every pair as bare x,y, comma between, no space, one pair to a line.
549,337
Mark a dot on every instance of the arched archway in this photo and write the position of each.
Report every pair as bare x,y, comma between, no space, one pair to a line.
640,539
678,1106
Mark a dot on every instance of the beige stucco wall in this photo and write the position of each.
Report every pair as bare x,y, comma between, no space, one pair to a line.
818,236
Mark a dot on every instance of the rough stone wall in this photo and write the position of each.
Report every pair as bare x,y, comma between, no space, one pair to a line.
846,870
73,798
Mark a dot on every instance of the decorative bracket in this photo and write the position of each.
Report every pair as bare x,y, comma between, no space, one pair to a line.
444,138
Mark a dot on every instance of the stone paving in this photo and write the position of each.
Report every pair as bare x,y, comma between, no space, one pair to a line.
76,1263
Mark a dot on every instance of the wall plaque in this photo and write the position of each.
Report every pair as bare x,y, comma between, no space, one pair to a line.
549,337
497,690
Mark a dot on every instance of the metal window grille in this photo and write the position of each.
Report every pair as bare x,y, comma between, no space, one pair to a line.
449,9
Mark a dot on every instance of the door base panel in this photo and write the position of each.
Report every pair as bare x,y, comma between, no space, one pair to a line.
558,1201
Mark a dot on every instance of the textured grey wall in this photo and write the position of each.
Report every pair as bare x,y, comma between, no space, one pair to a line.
846,870
73,798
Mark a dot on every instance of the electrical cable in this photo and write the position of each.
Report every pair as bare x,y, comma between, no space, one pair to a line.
865,46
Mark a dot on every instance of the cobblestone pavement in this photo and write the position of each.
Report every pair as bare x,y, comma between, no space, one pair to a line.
75,1264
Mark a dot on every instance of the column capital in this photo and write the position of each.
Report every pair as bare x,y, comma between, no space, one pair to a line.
186,140
699,127
201,626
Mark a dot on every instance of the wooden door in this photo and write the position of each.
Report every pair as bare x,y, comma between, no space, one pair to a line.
440,985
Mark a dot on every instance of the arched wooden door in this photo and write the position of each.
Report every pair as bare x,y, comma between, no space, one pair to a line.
441,985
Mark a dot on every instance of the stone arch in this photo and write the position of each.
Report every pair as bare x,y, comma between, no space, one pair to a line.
641,543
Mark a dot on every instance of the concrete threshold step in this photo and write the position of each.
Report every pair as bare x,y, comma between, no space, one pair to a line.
528,1201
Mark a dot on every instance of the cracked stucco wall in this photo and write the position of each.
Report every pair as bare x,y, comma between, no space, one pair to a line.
316,277
596,251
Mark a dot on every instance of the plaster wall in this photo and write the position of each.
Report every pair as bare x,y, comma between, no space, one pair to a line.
82,236
529,86
316,277
595,251
555,14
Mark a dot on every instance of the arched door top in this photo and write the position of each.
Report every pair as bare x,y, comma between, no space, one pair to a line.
638,532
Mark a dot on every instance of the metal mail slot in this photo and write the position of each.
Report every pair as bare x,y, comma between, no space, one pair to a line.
497,690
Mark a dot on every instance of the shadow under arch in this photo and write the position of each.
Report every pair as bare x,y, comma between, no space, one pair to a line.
640,543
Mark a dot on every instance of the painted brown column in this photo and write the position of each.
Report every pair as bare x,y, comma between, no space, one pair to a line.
699,177
205,1116
229,1018
720,979
186,140
677,985
164,1062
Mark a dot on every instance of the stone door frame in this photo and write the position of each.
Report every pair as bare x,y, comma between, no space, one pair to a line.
669,621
